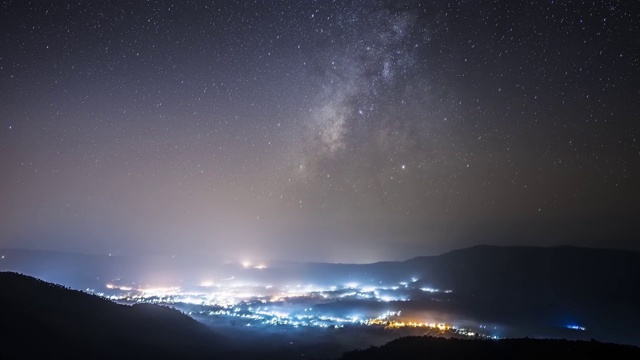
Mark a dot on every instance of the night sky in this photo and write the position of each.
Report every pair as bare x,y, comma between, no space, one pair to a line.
348,131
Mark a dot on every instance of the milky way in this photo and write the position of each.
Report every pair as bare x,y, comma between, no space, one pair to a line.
340,131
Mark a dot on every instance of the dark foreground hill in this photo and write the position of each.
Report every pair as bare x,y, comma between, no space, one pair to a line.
426,347
44,320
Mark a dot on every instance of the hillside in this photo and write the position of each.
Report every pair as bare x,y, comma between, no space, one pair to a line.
425,347
41,319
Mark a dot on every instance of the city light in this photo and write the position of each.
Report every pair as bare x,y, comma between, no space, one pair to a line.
576,327
258,305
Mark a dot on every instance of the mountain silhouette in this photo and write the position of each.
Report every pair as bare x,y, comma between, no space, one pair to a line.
41,319
426,347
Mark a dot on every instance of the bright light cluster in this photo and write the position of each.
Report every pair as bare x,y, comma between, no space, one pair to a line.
288,305
576,327
229,294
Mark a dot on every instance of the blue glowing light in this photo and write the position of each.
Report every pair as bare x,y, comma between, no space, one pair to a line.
576,327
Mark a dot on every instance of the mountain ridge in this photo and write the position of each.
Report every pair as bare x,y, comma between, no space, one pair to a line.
69,323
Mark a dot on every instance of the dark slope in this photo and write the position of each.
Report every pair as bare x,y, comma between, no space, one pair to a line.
41,319
490,272
598,288
440,348
570,271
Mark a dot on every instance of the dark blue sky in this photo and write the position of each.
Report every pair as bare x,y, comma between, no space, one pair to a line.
340,131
